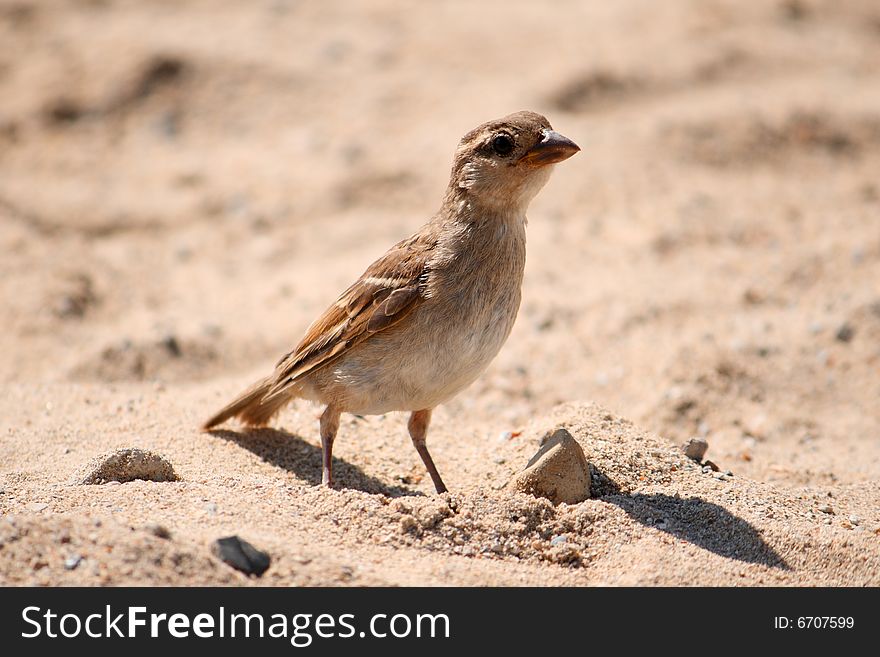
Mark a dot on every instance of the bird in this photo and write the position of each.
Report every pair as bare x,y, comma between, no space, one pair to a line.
425,319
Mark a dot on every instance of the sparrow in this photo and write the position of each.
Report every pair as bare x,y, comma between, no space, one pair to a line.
425,319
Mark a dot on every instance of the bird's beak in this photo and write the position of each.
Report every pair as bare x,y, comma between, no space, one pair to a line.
552,148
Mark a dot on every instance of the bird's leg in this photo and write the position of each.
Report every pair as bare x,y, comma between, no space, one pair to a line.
418,431
329,426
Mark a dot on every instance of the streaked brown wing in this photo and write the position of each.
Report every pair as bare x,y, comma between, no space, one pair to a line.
385,293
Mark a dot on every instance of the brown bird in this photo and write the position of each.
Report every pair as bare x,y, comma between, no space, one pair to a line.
425,319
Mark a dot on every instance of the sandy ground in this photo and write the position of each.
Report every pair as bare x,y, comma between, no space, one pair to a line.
184,185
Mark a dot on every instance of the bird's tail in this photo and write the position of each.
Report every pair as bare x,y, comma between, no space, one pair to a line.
251,407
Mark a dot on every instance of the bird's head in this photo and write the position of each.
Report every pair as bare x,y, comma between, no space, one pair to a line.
504,163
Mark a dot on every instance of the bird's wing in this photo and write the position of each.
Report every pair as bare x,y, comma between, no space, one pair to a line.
390,289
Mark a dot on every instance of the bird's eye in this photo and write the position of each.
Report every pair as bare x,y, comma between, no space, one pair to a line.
502,144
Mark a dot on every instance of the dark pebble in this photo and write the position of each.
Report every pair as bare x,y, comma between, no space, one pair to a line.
241,555
172,345
845,333
159,531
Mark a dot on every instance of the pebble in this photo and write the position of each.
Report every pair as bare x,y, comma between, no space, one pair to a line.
826,508
558,540
696,448
845,333
36,507
157,530
241,555
558,471
855,520
72,562
171,343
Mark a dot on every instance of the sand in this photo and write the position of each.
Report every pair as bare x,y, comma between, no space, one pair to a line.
185,185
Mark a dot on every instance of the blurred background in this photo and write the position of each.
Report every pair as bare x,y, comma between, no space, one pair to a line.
185,184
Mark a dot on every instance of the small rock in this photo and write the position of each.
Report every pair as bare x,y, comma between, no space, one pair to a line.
171,343
125,465
696,449
855,520
72,562
845,333
713,466
36,507
157,530
826,508
558,471
558,540
241,555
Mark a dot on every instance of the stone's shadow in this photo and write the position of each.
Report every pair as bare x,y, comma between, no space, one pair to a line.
299,457
704,524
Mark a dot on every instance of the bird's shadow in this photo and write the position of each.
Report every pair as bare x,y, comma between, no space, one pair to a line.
692,519
299,457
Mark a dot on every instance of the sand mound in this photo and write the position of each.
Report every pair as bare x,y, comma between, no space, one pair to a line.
124,465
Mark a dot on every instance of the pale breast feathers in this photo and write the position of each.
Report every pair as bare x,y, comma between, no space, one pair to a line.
389,290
